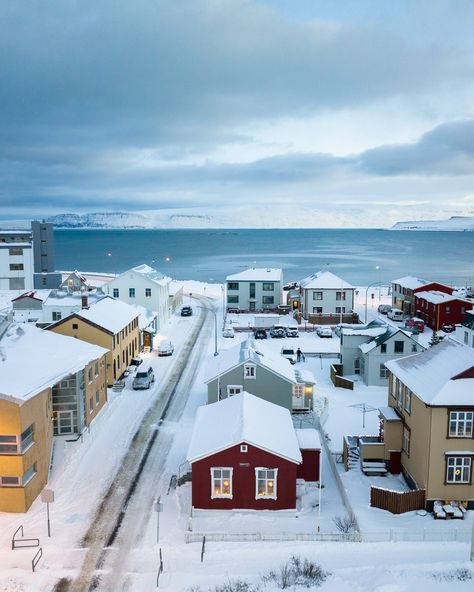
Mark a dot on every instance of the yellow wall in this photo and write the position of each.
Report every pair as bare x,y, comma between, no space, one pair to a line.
98,384
14,419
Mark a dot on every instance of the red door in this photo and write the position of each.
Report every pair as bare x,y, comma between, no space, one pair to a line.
395,462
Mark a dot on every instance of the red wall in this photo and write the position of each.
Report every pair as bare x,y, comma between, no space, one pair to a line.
434,286
309,469
435,315
243,480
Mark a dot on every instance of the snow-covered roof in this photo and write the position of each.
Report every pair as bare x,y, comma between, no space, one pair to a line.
410,282
436,297
77,275
40,295
247,351
243,418
389,414
304,376
258,275
146,315
432,374
33,359
58,298
151,274
109,313
174,287
308,439
382,338
324,280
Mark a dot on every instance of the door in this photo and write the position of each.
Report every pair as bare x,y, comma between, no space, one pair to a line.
252,305
395,462
63,423
297,400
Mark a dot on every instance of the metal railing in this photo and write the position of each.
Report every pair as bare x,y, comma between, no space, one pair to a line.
36,558
160,570
203,548
23,543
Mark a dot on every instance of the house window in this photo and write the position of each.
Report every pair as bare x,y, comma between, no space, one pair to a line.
27,439
340,309
89,375
233,389
398,347
10,481
357,366
407,400
406,440
318,309
147,292
96,369
8,445
383,348
250,371
97,398
29,474
400,396
340,295
458,469
383,371
56,316
460,424
394,386
466,337
414,348
232,299
91,405
16,267
131,292
298,390
244,448
268,287
75,326
232,285
447,310
15,251
267,300
266,483
221,482
115,292
317,295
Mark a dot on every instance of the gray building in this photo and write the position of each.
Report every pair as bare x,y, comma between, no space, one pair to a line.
255,290
44,275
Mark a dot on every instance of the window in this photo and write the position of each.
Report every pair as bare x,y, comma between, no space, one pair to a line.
268,286
115,292
447,310
383,371
75,326
96,369
318,309
147,292
16,267
250,371
244,448
406,440
266,483
298,390
414,349
398,347
29,474
317,295
458,469
97,398
10,482
267,300
221,482
383,348
15,251
56,316
407,400
233,389
27,439
357,366
394,386
131,292
340,309
91,405
340,295
89,375
466,337
400,396
460,424
232,299
8,445
232,285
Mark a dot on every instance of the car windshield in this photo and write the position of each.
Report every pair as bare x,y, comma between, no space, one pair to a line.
288,352
142,374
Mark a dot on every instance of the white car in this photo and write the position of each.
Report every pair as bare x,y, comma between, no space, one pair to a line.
325,332
289,353
228,332
165,348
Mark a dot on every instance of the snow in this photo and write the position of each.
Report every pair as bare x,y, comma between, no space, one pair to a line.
257,274
146,315
151,274
243,418
308,439
66,298
389,414
454,223
109,313
410,282
324,280
436,297
429,373
40,295
49,358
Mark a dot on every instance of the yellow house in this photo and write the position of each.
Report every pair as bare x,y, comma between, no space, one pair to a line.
430,420
109,323
48,384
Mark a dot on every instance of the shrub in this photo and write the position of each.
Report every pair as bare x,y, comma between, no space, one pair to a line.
345,524
461,574
297,572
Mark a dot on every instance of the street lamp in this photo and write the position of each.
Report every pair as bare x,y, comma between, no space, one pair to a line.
377,269
214,312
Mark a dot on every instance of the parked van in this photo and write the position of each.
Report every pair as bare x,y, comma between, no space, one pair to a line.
395,314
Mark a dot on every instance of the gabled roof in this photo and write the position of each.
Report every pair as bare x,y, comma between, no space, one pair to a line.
433,375
40,295
372,329
410,282
436,297
151,274
324,280
243,418
77,275
33,359
257,275
146,317
389,333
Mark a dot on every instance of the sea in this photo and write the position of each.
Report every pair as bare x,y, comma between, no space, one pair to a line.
360,256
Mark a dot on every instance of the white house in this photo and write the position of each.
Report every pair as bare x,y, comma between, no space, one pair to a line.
16,260
324,293
144,286
254,290
465,331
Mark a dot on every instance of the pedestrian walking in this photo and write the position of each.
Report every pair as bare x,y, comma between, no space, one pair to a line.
298,355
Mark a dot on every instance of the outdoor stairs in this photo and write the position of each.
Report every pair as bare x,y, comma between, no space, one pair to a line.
353,459
184,478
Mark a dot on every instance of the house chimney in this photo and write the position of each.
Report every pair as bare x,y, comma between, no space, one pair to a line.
84,301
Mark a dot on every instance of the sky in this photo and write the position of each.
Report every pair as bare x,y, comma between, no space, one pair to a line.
354,113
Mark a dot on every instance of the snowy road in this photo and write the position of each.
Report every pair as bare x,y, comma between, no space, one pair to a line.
129,500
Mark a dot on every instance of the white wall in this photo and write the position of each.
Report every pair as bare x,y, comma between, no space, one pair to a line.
244,291
328,302
26,259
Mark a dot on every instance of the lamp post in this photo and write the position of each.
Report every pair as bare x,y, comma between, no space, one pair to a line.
377,269
367,294
214,312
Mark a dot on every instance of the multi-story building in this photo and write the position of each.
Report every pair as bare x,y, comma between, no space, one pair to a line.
49,384
255,290
437,308
110,323
404,290
465,331
324,298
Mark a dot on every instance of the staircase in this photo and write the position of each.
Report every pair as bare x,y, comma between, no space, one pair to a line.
353,459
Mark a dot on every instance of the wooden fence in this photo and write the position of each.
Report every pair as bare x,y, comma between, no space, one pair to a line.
338,380
397,502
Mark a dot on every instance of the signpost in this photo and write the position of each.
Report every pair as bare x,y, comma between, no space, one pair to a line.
158,508
47,497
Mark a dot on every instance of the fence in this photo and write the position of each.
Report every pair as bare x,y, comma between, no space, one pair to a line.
338,380
397,502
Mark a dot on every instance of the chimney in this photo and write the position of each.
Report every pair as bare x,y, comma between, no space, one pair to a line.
84,301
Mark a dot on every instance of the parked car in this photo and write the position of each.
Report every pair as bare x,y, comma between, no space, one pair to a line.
395,314
228,332
289,353
448,328
143,379
260,334
292,332
136,361
415,323
278,332
325,332
384,308
186,311
165,348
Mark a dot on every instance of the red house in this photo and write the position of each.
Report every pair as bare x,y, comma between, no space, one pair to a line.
245,454
437,308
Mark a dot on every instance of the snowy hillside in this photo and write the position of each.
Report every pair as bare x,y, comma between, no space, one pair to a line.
454,223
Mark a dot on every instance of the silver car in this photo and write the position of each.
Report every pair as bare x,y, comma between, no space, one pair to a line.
143,379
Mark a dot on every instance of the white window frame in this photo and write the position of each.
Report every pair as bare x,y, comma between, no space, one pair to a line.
4,484
407,404
116,292
274,495
318,295
244,448
131,292
383,371
250,371
238,388
341,295
220,479
316,308
454,417
147,292
406,437
459,463
340,309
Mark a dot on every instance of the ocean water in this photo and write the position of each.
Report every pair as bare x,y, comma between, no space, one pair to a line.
359,256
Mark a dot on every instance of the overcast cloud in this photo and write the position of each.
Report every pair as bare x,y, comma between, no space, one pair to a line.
111,104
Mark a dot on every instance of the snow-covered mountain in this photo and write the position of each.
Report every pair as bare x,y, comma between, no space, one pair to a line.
458,223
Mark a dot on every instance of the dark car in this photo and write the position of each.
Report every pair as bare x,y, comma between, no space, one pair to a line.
136,361
186,311
384,308
448,328
260,334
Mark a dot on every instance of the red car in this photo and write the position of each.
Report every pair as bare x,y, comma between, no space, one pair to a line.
415,324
